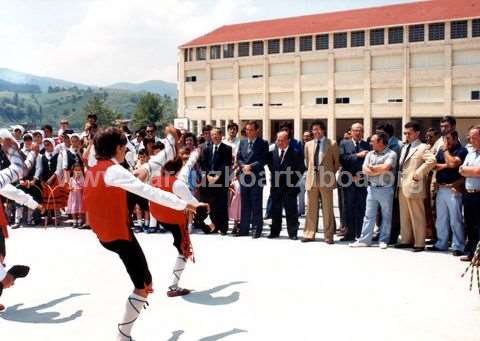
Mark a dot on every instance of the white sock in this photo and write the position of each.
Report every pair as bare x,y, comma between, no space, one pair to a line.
180,264
18,215
134,306
147,223
152,222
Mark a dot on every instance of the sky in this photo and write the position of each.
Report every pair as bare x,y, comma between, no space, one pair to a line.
101,42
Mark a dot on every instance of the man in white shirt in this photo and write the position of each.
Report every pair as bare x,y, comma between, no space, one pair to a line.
232,139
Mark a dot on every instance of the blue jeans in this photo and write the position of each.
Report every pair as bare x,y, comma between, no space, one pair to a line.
449,217
383,197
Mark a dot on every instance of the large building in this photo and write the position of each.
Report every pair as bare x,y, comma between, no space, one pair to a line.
394,63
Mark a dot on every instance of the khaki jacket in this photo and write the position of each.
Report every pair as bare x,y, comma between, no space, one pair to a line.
329,164
419,162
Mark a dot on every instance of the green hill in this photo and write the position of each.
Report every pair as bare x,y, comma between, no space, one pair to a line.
36,109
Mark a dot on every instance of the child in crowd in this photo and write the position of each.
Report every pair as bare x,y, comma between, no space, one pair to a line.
142,211
75,197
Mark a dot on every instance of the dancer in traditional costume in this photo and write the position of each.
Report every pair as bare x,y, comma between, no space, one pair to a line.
176,222
105,194
15,171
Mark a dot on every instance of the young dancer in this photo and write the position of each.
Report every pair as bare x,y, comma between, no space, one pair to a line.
15,171
176,222
105,194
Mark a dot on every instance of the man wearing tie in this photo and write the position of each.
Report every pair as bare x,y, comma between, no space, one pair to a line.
322,159
352,155
215,163
251,158
286,166
416,161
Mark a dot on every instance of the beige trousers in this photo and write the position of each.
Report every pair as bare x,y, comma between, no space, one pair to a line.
413,221
311,222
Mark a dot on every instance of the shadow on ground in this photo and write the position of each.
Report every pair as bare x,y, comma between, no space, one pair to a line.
176,335
207,297
34,315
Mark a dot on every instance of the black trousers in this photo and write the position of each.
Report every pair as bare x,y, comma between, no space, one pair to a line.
217,198
134,260
3,251
471,207
355,199
251,210
395,231
174,229
284,199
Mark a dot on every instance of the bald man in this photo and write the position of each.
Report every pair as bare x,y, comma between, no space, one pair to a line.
286,167
352,155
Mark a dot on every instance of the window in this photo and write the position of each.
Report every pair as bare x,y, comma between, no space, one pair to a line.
476,28
306,43
321,42
244,49
228,50
321,100
377,36
459,29
201,53
257,105
416,33
257,48
191,79
201,107
274,46
288,45
395,35
476,95
185,55
215,52
436,31
340,40
257,76
395,100
357,39
342,100
276,104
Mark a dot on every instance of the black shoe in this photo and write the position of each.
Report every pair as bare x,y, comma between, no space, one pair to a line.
293,238
256,235
376,238
434,248
457,253
403,246
345,239
418,249
307,240
15,226
272,236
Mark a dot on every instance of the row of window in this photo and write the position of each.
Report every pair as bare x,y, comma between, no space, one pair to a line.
416,33
475,96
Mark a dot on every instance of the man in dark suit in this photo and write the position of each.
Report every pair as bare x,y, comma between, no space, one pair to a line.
352,155
287,167
251,158
215,163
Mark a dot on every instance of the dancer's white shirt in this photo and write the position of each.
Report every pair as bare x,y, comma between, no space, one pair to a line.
158,161
3,273
20,197
117,176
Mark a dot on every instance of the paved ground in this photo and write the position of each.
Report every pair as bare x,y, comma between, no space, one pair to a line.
245,290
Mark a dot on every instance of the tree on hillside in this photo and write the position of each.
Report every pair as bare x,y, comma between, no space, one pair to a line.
105,116
149,109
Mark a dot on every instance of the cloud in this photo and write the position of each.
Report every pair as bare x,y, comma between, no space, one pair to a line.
119,40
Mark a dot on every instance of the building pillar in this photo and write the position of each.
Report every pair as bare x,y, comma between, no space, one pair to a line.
448,93
199,127
208,93
332,124
181,83
367,95
297,98
236,92
266,99
406,109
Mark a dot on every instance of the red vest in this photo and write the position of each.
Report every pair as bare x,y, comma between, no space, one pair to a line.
170,216
3,221
106,206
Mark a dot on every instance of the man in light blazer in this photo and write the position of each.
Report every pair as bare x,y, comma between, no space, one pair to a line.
416,161
323,161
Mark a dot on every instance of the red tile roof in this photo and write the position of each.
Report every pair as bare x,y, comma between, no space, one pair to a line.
417,12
